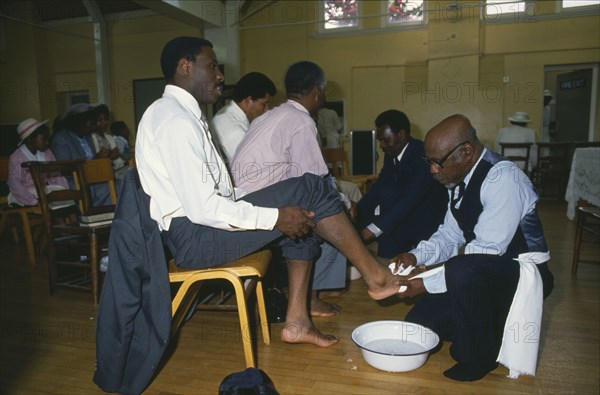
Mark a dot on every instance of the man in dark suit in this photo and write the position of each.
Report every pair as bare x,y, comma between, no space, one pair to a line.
404,205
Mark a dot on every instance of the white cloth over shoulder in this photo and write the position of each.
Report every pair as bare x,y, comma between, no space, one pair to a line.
521,338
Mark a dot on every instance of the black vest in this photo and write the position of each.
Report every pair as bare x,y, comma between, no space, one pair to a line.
529,236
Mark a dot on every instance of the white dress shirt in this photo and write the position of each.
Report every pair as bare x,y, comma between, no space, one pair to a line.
230,125
506,195
182,172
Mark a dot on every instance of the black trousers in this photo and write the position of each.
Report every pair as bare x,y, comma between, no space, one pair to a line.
198,246
473,311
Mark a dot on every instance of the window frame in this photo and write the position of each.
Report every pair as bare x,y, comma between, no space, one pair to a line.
401,24
529,10
321,29
579,9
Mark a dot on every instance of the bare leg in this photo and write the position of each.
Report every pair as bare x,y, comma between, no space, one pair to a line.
338,230
320,308
298,327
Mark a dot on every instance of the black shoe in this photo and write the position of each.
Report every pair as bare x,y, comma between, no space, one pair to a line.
465,371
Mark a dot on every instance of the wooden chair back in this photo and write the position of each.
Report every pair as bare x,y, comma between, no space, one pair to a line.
94,172
518,153
335,159
40,171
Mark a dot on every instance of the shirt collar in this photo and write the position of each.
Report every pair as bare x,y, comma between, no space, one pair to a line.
239,113
470,174
399,157
185,98
298,106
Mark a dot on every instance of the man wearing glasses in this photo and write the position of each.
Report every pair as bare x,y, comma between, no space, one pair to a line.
492,219
405,205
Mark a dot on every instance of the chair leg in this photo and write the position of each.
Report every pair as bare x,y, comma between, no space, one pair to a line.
244,322
52,271
577,247
262,312
27,235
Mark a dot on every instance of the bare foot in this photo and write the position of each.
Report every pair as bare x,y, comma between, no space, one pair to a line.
297,332
385,285
319,308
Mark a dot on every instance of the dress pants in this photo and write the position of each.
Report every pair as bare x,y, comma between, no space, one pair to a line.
199,246
473,311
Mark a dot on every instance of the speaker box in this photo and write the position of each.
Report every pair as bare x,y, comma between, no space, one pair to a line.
363,157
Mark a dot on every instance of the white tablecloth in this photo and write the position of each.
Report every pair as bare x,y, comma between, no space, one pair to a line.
584,180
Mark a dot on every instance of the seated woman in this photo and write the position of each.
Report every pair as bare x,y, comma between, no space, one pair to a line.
120,130
33,146
101,139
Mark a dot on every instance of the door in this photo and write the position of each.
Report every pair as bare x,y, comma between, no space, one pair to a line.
573,102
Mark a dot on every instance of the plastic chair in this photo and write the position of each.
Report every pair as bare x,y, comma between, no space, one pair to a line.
245,274
26,217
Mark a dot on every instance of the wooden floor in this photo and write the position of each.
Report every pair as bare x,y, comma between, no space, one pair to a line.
48,343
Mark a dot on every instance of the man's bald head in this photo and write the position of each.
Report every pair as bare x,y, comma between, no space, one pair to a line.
452,148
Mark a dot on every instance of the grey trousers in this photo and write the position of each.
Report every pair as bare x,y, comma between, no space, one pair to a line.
199,246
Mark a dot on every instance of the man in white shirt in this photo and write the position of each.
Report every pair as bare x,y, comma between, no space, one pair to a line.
329,127
205,221
492,217
251,97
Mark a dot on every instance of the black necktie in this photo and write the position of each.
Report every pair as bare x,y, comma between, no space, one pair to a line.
457,196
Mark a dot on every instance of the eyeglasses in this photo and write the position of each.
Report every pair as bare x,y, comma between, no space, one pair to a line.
440,163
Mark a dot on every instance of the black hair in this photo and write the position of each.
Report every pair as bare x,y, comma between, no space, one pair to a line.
303,76
40,130
74,120
256,85
180,48
116,127
396,120
102,109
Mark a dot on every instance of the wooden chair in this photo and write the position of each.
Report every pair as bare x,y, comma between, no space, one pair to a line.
14,217
510,150
245,275
72,248
588,219
336,160
95,172
551,168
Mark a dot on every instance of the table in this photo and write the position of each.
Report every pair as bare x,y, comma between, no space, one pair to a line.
584,179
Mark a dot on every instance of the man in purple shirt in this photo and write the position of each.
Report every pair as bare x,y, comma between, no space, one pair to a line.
282,144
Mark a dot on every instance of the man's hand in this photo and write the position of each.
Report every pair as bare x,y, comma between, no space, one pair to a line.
103,153
405,258
295,222
413,288
114,153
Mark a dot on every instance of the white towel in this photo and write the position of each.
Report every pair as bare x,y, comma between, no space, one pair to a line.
521,338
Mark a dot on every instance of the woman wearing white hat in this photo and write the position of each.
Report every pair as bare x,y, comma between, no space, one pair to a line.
33,146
